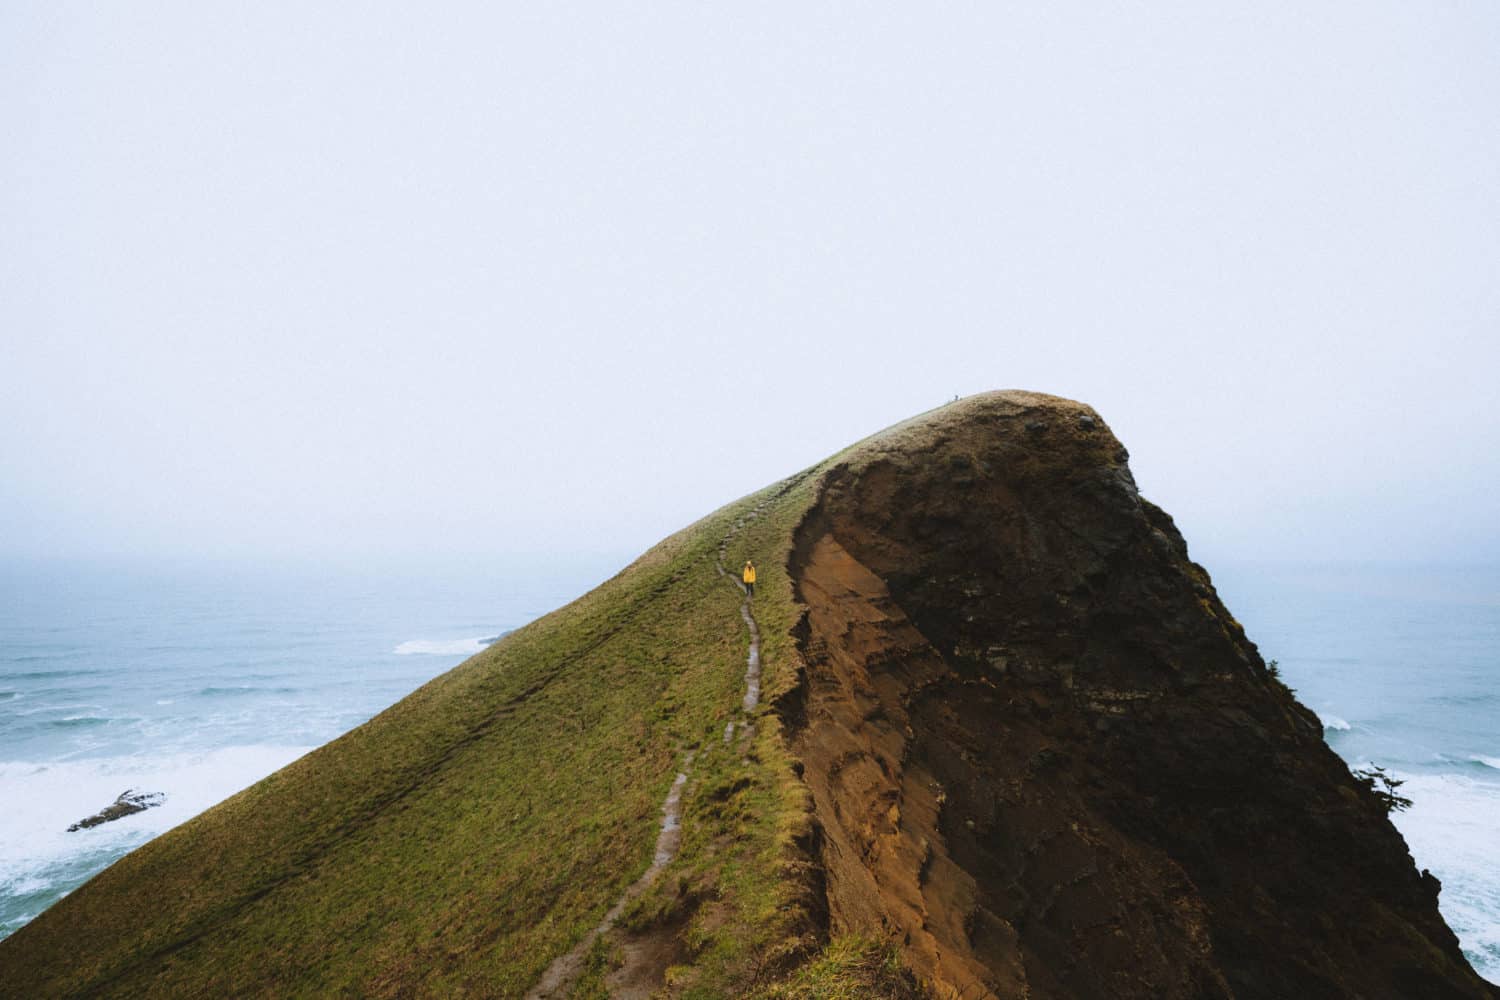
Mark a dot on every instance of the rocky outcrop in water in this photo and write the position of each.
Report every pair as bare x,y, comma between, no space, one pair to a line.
129,803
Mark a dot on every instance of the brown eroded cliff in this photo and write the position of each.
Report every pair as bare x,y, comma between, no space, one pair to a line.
1044,758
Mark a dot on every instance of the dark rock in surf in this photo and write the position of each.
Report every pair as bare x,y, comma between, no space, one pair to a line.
129,803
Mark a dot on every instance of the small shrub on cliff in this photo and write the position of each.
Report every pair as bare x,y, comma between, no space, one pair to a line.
1383,787
1273,671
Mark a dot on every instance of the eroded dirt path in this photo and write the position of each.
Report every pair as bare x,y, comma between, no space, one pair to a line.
752,661
557,982
563,974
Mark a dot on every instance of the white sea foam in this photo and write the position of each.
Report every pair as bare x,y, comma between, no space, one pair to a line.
442,647
1333,722
37,854
1486,761
1451,830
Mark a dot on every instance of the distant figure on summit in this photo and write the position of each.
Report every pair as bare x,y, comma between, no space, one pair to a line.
748,575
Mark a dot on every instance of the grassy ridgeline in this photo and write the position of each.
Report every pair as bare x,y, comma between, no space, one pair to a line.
462,838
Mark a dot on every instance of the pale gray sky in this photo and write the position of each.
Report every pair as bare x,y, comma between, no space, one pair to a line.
379,280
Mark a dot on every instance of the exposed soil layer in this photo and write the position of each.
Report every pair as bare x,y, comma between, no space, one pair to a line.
646,955
1045,759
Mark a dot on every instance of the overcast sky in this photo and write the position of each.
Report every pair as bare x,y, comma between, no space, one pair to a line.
380,281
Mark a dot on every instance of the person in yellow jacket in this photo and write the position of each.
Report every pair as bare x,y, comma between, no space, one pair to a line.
748,575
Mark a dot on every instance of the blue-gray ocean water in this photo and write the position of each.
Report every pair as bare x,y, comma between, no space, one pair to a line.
197,682
1402,663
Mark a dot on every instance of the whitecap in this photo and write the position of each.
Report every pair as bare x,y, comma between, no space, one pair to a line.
39,857
25,885
1450,828
74,721
1480,758
1333,722
443,647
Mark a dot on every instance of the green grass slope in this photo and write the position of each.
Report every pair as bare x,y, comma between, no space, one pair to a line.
456,843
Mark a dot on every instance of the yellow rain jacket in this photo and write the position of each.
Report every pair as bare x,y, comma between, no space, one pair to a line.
749,574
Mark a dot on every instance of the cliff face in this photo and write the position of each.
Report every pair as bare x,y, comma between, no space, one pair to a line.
1047,761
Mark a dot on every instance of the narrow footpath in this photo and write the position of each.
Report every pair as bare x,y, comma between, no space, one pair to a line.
558,981
752,661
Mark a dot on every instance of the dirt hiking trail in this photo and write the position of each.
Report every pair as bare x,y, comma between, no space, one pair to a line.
634,979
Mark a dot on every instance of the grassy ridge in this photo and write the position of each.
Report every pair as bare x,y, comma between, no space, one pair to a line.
451,845
746,808
460,840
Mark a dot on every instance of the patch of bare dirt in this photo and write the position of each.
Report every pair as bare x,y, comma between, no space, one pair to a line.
647,953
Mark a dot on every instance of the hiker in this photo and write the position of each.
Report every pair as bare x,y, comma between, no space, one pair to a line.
749,577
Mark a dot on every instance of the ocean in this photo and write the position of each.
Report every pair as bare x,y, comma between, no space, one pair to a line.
197,682
1402,664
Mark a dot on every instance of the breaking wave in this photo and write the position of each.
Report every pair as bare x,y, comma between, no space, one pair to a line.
442,647
40,860
236,690
75,721
1451,829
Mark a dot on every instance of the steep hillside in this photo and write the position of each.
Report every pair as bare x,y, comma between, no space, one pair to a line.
1047,760
1009,743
